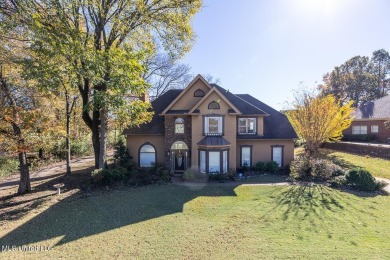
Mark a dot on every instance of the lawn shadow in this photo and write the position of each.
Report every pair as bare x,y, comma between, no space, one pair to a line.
313,198
83,214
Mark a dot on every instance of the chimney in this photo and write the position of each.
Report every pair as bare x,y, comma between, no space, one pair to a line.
144,97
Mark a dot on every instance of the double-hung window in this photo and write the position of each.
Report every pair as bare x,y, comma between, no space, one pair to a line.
213,125
246,126
359,130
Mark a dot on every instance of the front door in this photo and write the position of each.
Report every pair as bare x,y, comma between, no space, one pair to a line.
180,160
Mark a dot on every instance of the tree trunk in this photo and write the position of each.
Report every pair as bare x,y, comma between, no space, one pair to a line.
103,139
24,184
67,138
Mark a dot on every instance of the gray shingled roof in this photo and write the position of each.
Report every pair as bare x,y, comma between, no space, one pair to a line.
276,125
245,107
379,108
156,125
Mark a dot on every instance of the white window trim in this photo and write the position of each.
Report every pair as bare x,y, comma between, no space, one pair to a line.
207,125
246,126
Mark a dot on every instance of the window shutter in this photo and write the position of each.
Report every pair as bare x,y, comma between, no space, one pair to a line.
220,125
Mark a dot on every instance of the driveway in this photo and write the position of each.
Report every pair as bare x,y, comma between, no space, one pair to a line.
57,168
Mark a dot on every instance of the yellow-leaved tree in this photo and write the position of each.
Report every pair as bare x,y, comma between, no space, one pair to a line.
318,119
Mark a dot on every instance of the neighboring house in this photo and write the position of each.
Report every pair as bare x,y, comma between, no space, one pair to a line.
208,128
368,123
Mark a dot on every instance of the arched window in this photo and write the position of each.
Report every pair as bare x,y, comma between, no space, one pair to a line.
214,105
147,155
179,126
199,93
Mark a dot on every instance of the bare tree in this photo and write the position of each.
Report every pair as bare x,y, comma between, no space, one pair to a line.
165,73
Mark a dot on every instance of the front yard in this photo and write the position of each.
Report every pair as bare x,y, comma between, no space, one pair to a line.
216,222
199,221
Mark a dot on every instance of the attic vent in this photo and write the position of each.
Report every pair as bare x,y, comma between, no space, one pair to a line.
199,93
214,105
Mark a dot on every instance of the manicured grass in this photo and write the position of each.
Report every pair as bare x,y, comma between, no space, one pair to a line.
208,222
376,166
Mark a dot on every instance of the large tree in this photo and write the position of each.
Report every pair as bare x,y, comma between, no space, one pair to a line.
353,80
101,44
26,118
361,79
318,119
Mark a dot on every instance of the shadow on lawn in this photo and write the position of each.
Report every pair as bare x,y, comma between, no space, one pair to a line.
82,215
316,198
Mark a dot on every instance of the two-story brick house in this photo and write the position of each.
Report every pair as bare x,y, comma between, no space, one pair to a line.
208,128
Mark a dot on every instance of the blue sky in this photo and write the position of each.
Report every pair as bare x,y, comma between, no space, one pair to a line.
267,47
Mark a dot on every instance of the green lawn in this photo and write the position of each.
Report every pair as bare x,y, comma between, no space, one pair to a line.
376,166
208,222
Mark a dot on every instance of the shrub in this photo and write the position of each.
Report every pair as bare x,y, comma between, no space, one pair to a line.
8,166
300,168
163,174
362,180
272,167
77,148
193,175
320,169
231,174
121,154
109,176
260,167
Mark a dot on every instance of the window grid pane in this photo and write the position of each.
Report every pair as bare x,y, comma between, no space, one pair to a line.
277,155
374,129
213,125
214,162
245,156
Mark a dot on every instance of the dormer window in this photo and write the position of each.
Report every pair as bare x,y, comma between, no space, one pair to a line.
179,126
213,125
199,93
246,126
214,105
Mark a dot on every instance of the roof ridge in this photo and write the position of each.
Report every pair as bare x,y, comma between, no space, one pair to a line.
246,100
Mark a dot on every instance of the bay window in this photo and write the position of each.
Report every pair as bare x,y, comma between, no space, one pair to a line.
213,161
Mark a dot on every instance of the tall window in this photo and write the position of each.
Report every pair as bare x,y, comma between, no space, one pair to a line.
179,126
374,129
246,125
202,159
213,162
359,130
213,125
147,156
277,155
246,156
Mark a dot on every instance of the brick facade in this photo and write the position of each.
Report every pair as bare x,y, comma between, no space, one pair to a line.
383,134
171,136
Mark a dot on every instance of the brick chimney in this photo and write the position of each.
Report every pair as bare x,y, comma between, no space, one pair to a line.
144,97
